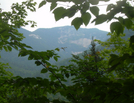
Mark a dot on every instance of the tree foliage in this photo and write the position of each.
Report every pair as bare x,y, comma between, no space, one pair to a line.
98,77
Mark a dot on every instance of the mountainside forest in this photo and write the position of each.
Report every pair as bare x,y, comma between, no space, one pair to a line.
68,64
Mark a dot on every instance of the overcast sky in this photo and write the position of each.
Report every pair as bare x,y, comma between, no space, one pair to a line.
45,18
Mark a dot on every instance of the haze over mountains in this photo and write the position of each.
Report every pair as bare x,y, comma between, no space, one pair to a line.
46,39
75,41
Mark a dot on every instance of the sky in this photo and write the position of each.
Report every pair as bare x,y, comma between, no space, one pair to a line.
45,18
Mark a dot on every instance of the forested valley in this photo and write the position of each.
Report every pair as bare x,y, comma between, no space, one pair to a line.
102,72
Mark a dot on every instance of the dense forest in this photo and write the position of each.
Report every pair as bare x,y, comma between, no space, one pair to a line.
102,74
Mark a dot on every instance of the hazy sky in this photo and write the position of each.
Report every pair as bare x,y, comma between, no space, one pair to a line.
45,19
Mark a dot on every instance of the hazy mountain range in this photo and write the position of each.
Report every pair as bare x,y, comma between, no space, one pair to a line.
43,39
75,41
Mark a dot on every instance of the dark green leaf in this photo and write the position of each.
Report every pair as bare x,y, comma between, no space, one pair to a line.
94,2
15,47
53,5
9,48
28,46
52,77
85,8
23,53
42,3
100,19
55,58
94,10
30,57
67,75
42,99
86,18
120,19
109,7
113,57
37,63
44,70
128,23
132,42
56,101
5,48
58,13
57,49
117,27
77,22
71,11
28,100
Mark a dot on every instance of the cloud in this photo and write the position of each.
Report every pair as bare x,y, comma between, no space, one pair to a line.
83,41
35,36
75,53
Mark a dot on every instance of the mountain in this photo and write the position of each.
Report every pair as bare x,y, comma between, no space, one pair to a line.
75,41
44,39
98,47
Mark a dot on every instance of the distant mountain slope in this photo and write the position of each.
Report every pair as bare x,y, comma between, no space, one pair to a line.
99,47
43,39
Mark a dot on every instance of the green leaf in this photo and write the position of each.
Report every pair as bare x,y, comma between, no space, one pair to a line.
30,57
57,49
52,77
86,18
128,23
120,19
58,13
15,47
9,48
55,58
113,57
94,2
71,11
100,19
85,8
56,101
44,70
67,75
5,48
132,42
53,5
117,27
28,100
77,22
37,63
94,10
109,7
42,3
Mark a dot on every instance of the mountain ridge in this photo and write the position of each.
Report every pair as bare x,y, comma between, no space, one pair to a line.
47,39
